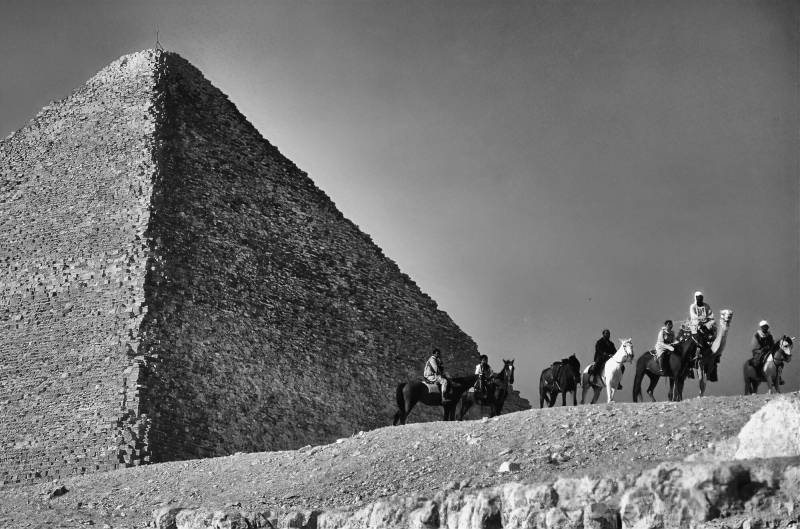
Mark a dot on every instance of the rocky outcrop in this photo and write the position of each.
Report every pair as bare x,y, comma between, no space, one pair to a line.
670,495
773,431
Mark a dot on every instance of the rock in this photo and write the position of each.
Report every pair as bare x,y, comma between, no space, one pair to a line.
58,491
193,519
526,505
682,494
426,516
600,516
508,466
772,431
481,510
226,520
164,517
300,519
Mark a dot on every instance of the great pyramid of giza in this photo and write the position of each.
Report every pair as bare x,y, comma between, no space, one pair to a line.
173,287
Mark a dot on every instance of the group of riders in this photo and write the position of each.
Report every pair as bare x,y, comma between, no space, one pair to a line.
434,374
700,327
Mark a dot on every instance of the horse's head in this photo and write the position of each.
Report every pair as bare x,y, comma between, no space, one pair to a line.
785,345
626,345
508,370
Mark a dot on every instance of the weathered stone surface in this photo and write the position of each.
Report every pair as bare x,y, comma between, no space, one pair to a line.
773,431
173,287
164,517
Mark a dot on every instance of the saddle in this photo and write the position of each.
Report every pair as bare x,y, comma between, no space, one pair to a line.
433,387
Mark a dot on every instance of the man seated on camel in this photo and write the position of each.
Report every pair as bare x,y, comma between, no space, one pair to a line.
484,372
701,320
664,342
434,372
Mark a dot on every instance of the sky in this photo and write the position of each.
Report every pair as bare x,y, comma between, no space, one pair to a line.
543,170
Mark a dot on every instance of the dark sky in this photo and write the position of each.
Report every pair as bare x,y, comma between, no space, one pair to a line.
542,169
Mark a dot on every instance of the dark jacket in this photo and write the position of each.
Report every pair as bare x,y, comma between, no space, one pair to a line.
603,350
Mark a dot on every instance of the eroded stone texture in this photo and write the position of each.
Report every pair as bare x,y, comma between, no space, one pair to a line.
670,495
75,191
173,287
773,431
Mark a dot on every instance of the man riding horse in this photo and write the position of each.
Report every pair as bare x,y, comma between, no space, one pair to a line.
664,342
604,349
484,372
434,373
761,346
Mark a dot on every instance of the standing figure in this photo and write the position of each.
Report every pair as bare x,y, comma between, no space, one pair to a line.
434,373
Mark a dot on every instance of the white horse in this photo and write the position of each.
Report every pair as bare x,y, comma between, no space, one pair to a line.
612,372
773,365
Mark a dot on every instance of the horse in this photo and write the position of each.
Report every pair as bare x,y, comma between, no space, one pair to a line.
561,377
612,371
597,382
408,394
497,389
780,353
678,370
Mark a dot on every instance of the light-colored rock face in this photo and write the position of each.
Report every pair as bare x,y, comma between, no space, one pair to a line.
670,495
773,431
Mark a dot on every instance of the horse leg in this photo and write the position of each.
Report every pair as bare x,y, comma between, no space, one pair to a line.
563,398
584,384
551,400
402,405
466,404
653,383
575,397
702,381
596,395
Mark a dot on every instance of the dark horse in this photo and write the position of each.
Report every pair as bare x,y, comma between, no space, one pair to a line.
561,377
410,393
497,388
773,363
679,362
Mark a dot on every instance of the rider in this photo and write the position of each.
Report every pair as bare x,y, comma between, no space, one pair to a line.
762,344
664,342
484,371
701,319
434,372
603,350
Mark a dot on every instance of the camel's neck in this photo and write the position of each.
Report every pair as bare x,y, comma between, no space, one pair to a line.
719,342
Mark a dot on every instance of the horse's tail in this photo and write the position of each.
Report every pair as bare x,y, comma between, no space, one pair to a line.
541,390
641,366
401,404
748,384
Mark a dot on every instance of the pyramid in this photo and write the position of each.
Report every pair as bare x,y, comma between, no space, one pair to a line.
173,287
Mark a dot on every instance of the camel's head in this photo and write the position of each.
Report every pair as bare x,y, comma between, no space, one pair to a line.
725,316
